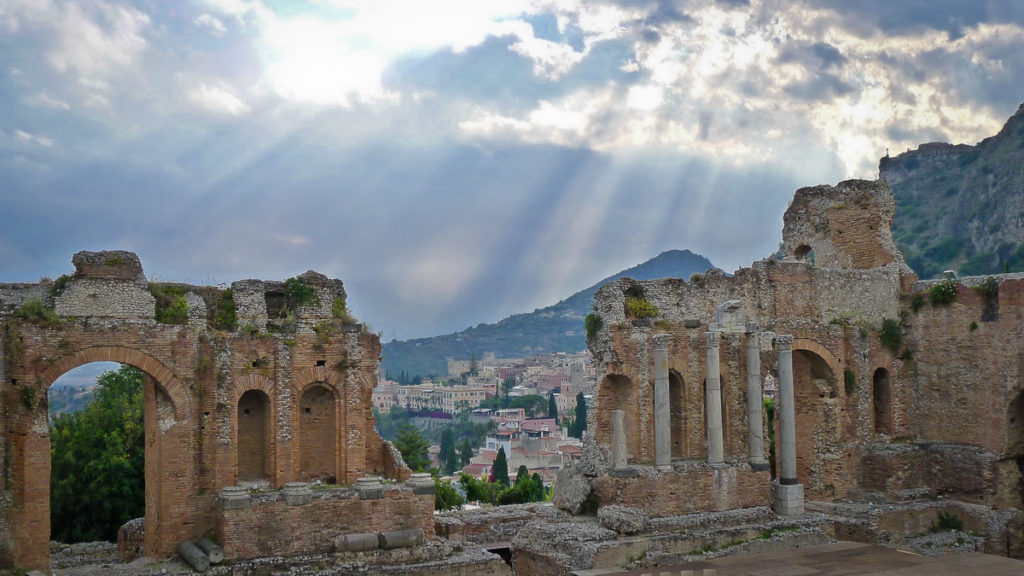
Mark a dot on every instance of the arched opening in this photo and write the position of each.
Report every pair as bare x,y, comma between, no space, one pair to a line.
1014,446
253,438
677,414
97,447
816,405
617,392
882,395
318,434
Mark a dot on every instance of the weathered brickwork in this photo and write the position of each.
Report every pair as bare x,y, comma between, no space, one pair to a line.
221,407
270,526
934,408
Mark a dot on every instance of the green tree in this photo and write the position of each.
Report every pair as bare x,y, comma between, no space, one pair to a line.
580,423
499,470
465,452
413,446
97,474
445,496
539,484
552,406
522,474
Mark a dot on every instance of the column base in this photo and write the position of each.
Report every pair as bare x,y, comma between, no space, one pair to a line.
759,465
788,499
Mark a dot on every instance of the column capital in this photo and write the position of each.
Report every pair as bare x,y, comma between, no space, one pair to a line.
661,341
713,338
751,328
784,341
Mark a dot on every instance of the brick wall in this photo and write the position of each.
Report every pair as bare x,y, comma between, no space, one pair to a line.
693,487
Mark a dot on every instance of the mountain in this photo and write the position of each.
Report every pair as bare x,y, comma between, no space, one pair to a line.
961,207
557,328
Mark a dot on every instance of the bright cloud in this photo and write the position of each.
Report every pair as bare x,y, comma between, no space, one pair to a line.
218,99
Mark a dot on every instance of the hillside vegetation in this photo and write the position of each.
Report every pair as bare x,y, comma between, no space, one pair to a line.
557,328
961,207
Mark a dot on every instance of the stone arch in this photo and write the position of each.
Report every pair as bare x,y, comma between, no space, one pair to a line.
679,423
822,352
816,406
169,384
619,392
881,396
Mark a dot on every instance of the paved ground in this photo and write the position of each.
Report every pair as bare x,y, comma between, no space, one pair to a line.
839,559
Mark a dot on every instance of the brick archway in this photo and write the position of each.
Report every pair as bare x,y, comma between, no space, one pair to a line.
821,351
319,424
165,379
251,382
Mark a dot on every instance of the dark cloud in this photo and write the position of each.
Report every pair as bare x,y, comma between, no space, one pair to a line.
955,17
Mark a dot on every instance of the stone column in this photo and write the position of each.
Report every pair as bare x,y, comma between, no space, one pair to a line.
788,493
713,400
662,414
755,423
618,439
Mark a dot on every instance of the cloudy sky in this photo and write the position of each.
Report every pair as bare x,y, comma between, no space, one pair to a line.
456,161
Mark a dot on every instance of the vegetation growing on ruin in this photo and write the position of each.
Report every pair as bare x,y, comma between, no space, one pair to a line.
891,335
224,316
947,521
34,311
849,381
917,302
97,472
339,310
989,290
298,293
638,308
171,305
942,293
59,285
592,324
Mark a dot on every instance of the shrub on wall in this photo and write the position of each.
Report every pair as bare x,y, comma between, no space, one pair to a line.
638,307
592,324
943,293
891,335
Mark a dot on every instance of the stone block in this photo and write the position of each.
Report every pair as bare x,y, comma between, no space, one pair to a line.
421,483
788,500
235,498
369,488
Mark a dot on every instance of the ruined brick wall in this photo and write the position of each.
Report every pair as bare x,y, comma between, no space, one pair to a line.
200,380
258,529
687,489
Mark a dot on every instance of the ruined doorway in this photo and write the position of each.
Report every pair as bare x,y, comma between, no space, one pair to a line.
617,392
816,403
253,437
677,415
318,435
881,394
97,451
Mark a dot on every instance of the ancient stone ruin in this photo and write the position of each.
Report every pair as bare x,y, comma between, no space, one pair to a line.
263,385
894,403
898,403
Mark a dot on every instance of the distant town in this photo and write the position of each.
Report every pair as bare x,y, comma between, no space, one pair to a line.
527,406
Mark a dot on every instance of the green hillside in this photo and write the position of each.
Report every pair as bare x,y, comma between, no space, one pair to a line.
557,328
961,207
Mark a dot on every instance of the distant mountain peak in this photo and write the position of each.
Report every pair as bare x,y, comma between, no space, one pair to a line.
556,328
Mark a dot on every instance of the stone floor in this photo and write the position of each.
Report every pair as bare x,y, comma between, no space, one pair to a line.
839,559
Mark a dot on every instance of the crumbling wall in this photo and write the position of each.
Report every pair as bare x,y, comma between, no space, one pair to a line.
197,372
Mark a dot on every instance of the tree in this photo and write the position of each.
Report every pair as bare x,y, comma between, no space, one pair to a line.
580,423
97,461
465,452
522,474
552,407
539,483
499,470
413,446
445,496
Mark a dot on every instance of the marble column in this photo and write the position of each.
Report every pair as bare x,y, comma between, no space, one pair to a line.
713,400
755,422
788,494
662,413
619,454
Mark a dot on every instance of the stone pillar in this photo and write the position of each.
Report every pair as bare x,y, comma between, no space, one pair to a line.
662,414
713,400
788,493
755,423
618,439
